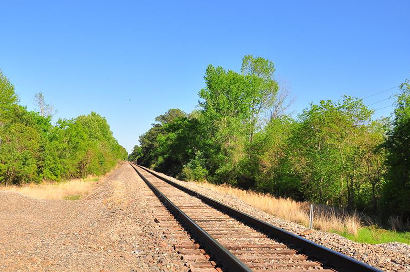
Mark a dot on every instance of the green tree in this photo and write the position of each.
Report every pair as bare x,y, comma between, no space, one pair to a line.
170,116
178,144
148,141
99,150
8,97
32,149
271,154
397,190
334,153
327,151
171,143
19,154
262,90
232,106
135,154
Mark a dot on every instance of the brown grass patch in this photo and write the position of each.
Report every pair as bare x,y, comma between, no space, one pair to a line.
325,219
70,189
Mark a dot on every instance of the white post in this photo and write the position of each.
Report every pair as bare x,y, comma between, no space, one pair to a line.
311,217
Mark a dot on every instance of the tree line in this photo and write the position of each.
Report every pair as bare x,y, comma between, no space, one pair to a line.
32,149
334,152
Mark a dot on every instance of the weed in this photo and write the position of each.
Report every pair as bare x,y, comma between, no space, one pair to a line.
71,189
72,197
291,210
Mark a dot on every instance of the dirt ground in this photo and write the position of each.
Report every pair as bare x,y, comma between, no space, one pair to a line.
112,229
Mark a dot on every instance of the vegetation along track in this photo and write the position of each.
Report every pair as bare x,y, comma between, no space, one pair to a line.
239,242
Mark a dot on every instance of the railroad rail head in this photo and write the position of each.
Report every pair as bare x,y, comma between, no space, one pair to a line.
221,255
326,256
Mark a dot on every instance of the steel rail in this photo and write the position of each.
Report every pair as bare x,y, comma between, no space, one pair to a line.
220,254
324,255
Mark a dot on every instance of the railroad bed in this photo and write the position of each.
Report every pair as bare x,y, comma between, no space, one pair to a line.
230,244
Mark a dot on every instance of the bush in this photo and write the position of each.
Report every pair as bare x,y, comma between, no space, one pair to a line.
194,170
32,149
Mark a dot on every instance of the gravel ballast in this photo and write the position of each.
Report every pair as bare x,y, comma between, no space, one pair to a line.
115,228
387,256
112,229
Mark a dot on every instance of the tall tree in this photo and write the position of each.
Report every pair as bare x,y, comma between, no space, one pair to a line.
326,150
135,154
232,105
170,116
397,190
149,141
262,90
32,149
8,97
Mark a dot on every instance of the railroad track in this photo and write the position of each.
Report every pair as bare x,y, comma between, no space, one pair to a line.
234,241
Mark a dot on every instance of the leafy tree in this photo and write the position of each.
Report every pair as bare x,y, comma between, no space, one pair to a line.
22,143
149,145
8,97
231,107
170,116
32,149
397,190
170,144
327,151
272,158
372,162
178,145
262,90
135,154
148,141
19,153
99,151
334,153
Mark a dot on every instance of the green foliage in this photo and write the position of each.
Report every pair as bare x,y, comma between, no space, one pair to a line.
334,153
8,97
271,154
332,156
170,116
32,149
72,197
374,235
195,169
135,154
172,143
232,109
397,189
19,153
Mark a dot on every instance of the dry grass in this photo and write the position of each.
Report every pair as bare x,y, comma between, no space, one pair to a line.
325,219
71,189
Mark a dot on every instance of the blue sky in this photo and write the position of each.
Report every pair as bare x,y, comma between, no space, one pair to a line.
133,60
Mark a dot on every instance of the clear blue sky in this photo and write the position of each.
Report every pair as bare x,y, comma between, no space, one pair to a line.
133,60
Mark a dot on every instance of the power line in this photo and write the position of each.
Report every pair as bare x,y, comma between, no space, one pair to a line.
388,98
382,91
389,106
381,100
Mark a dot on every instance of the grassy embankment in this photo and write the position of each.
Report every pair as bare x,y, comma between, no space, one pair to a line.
347,225
70,190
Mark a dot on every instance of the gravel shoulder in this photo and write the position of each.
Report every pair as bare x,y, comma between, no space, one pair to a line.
387,257
112,229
